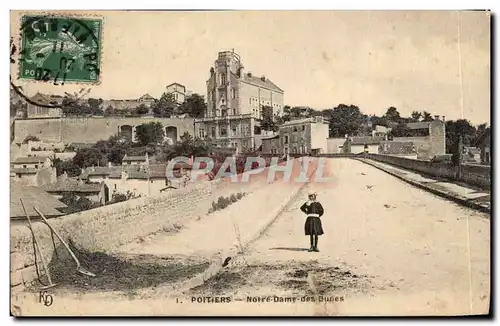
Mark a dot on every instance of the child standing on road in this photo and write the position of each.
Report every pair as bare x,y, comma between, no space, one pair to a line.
313,227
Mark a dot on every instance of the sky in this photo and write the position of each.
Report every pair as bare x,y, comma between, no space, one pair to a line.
412,60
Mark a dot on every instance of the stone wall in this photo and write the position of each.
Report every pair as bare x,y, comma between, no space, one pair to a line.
89,129
474,175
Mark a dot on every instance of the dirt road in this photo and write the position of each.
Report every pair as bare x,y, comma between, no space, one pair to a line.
388,248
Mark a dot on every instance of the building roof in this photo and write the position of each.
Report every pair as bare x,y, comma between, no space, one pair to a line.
25,170
72,185
271,137
46,99
176,84
131,174
261,81
33,196
146,96
365,140
134,158
30,159
99,170
418,125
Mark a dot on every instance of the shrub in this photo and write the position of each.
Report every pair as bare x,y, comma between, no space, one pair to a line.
223,202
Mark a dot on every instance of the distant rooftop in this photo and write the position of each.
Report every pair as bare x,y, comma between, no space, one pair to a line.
418,125
30,159
366,140
33,196
72,185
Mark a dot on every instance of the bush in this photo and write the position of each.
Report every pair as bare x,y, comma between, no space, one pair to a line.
223,202
119,197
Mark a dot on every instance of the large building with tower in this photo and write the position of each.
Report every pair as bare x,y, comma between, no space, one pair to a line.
235,102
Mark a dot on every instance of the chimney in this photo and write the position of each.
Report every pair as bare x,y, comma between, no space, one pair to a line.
436,117
109,164
263,78
444,118
249,74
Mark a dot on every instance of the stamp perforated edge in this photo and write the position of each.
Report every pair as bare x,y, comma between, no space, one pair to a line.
62,14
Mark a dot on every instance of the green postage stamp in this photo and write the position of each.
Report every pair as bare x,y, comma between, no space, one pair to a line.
59,49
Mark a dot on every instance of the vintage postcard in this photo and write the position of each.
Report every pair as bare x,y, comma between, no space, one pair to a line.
250,163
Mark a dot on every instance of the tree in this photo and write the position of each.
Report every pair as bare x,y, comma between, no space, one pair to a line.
87,157
164,107
268,120
456,128
392,115
68,167
150,133
119,197
345,120
379,121
95,105
76,204
427,117
186,146
415,116
141,109
117,148
194,105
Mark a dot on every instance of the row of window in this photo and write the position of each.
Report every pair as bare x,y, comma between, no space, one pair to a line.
294,138
223,131
255,101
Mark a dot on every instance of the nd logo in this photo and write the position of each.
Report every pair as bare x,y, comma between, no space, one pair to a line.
45,298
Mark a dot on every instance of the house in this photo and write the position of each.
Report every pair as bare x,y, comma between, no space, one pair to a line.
363,144
96,192
402,148
33,197
484,144
33,170
135,160
271,144
336,145
304,136
178,91
381,131
235,103
138,179
428,137
44,106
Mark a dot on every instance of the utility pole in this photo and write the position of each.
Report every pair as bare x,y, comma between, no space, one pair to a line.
460,150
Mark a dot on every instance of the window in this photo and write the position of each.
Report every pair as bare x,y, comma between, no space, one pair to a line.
233,93
234,111
250,101
303,128
24,166
36,166
223,132
286,139
213,132
233,131
222,79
